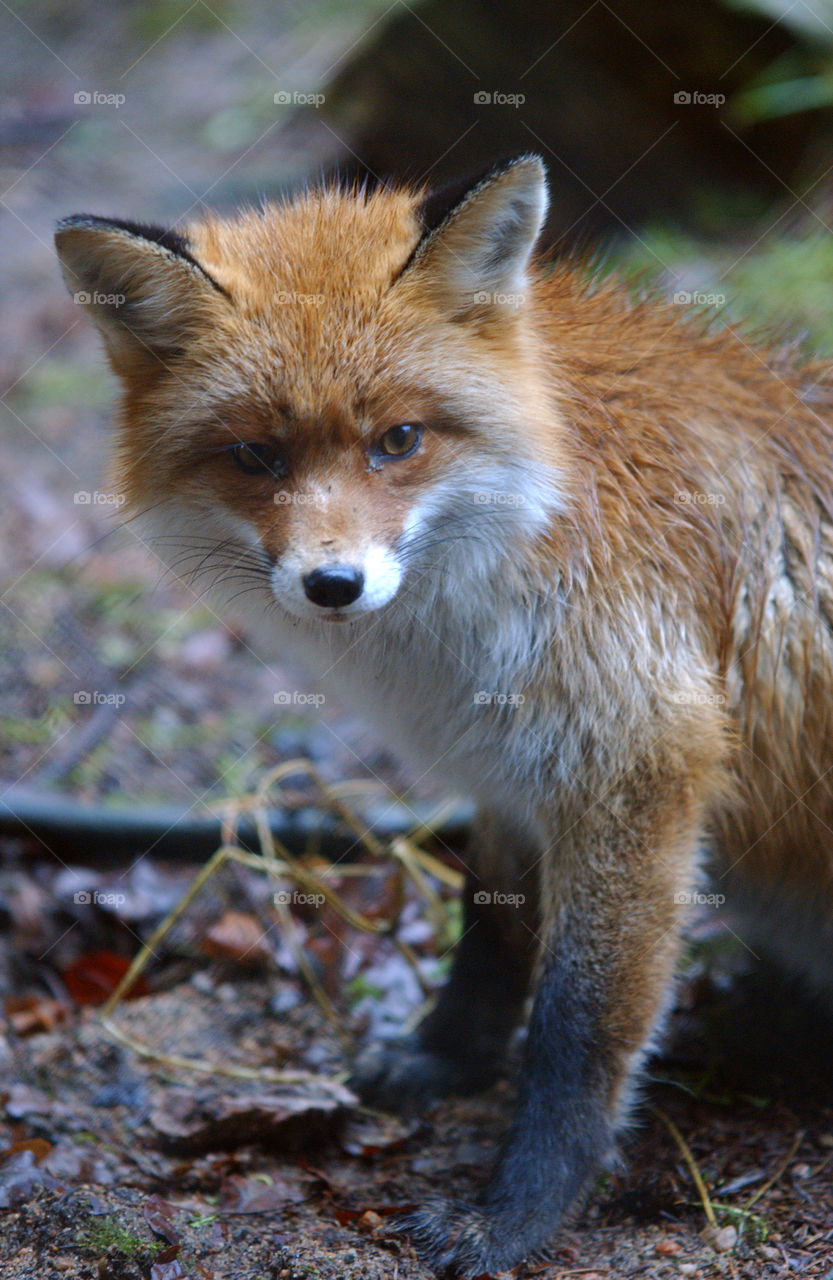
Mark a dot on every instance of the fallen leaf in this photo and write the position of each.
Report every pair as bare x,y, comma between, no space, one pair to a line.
159,1215
239,937
93,977
30,1014
288,1120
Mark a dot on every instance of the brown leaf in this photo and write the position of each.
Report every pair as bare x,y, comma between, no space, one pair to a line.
30,1014
159,1215
289,1120
240,937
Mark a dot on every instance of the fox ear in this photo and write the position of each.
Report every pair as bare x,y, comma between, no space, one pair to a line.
140,284
476,248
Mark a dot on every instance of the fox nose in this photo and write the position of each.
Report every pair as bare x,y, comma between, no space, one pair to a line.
335,586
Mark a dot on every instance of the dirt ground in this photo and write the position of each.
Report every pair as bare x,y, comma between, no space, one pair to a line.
119,1167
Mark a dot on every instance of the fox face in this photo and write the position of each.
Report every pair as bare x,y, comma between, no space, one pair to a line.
338,390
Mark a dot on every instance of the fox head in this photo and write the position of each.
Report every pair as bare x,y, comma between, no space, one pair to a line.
341,396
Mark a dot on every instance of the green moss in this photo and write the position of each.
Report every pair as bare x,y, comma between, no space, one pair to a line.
102,1234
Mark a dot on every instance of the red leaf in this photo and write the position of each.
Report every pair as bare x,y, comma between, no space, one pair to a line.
93,977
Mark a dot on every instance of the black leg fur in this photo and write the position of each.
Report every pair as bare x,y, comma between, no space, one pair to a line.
559,1136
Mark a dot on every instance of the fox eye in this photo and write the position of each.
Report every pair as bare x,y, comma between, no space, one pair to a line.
259,459
401,441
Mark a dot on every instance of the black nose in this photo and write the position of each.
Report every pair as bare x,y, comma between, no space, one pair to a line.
335,586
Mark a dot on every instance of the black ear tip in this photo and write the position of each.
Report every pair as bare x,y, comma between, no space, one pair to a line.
439,204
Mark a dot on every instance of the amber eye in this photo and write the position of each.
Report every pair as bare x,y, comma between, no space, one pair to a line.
259,460
400,442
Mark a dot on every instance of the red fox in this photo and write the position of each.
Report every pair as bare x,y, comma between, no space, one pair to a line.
573,555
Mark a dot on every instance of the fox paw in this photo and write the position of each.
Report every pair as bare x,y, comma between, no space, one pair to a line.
401,1075
461,1239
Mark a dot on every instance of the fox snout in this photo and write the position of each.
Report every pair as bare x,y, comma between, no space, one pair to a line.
334,586
347,582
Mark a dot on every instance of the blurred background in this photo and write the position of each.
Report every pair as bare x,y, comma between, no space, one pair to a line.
689,146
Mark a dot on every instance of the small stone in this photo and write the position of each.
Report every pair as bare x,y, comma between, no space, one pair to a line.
688,1268
667,1246
771,1255
369,1221
801,1171
725,1239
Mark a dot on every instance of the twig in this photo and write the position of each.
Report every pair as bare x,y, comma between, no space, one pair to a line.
692,1165
799,1138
